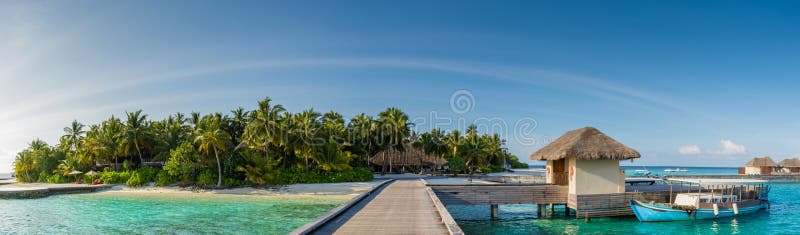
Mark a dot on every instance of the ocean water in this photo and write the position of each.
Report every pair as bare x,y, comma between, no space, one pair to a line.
655,170
782,218
162,214
659,170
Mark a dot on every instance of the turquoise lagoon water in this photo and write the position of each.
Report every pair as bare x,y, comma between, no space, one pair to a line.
782,218
659,170
118,213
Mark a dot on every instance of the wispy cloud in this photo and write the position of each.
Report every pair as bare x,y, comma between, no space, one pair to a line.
533,77
728,147
731,148
689,150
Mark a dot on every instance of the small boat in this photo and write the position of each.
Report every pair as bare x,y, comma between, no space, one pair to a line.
675,170
692,206
644,172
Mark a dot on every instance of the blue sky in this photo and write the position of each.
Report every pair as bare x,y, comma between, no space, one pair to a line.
701,83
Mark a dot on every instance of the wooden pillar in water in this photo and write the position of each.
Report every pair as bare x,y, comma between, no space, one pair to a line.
538,210
566,210
552,210
494,211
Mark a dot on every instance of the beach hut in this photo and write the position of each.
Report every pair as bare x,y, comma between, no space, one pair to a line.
587,161
790,165
411,159
760,166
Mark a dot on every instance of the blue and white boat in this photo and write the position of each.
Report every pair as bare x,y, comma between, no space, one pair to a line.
732,201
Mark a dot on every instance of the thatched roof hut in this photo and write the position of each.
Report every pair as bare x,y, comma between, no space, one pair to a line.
586,143
761,162
410,157
790,162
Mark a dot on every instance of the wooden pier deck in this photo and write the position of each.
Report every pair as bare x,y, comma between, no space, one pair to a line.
401,207
39,190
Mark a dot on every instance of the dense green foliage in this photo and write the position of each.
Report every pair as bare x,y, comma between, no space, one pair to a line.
115,177
319,176
206,178
164,179
265,146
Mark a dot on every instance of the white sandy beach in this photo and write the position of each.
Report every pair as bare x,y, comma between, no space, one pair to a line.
351,188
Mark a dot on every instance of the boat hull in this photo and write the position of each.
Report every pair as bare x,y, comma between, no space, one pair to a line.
647,212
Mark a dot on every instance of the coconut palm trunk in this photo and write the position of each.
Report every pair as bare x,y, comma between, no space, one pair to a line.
383,168
141,160
266,140
219,168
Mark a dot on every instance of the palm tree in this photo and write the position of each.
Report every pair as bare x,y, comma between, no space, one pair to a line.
194,119
211,137
238,123
180,118
433,143
307,124
453,141
135,132
493,147
362,128
73,135
104,141
169,134
395,128
260,127
287,141
23,165
474,150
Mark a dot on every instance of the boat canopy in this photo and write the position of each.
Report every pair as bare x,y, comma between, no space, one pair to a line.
718,181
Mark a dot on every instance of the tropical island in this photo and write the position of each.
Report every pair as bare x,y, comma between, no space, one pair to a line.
262,147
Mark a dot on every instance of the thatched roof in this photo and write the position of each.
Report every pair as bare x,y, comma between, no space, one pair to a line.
410,157
586,143
790,162
761,161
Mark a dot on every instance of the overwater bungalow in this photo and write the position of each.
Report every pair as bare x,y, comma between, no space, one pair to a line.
410,160
790,165
759,166
587,161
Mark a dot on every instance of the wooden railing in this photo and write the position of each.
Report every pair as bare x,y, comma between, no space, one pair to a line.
560,178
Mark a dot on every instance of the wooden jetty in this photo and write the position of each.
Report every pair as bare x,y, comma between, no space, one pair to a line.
398,207
39,190
549,196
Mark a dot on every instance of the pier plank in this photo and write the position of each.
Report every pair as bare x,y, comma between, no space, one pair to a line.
403,207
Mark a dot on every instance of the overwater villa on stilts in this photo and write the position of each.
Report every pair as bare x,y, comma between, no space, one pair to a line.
582,175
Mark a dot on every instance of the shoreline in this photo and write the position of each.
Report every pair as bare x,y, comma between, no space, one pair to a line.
350,188
324,189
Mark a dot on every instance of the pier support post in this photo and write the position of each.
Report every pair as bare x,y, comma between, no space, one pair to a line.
494,211
539,210
566,210
552,210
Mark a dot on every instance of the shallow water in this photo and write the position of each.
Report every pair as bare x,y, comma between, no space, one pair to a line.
118,213
782,218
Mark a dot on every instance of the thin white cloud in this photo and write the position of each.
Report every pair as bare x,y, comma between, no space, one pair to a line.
556,80
689,150
728,148
731,148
